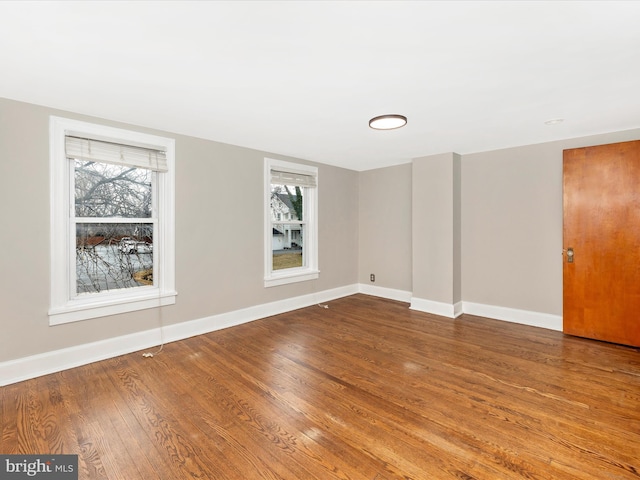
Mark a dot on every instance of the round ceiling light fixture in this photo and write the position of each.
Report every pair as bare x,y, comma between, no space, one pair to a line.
554,121
388,122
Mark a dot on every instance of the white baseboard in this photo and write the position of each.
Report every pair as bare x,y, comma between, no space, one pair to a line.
390,293
524,317
20,369
180,331
25,368
436,308
458,309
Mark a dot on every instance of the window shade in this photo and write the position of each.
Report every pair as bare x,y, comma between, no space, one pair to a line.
282,177
107,152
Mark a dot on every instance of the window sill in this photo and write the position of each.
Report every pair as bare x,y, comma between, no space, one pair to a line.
290,277
77,310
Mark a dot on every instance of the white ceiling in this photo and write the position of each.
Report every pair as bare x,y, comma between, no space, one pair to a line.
303,78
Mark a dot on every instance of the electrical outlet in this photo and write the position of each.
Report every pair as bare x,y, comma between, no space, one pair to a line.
372,277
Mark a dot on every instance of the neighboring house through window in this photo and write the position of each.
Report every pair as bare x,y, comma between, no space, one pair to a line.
112,216
291,240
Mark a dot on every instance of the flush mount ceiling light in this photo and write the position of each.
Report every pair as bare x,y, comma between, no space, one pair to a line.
554,121
388,122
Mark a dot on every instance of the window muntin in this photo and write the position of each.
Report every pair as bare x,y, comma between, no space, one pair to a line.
110,256
290,222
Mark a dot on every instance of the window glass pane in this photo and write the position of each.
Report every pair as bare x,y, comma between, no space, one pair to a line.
113,256
105,190
286,202
287,246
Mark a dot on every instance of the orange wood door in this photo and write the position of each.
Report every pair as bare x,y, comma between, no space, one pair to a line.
601,294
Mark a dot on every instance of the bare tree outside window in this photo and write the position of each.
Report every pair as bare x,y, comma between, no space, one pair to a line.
287,237
114,226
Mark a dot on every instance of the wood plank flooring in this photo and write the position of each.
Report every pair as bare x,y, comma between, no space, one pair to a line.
366,389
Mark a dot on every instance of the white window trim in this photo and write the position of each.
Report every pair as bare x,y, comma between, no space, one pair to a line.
63,308
310,270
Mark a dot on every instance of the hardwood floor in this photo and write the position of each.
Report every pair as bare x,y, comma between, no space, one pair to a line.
366,389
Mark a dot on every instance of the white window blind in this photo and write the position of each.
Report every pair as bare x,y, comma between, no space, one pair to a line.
287,177
107,152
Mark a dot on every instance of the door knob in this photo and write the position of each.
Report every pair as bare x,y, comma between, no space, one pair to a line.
570,255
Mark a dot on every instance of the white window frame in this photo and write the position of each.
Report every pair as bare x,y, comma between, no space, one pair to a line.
310,243
65,306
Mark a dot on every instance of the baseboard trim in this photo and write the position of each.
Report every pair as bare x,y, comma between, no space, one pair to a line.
513,315
458,309
33,366
390,293
436,308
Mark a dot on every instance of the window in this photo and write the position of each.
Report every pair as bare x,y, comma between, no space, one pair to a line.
112,212
291,216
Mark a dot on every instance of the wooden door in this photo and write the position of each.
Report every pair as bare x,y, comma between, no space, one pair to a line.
602,230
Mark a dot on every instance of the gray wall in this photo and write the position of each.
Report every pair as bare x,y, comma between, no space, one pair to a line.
219,235
436,228
510,225
385,227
